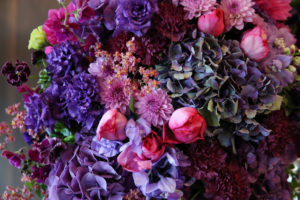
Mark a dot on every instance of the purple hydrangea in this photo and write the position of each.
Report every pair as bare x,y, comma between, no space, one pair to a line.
64,60
83,173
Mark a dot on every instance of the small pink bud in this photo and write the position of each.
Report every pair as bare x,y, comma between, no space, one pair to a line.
212,23
255,44
112,126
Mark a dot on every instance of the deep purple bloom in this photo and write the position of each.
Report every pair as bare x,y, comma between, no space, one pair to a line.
15,159
40,173
65,59
47,151
135,15
16,75
27,138
38,113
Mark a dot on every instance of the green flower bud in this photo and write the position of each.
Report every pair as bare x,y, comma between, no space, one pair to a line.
38,39
296,60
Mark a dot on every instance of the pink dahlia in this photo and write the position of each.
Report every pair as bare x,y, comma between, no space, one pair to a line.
276,9
55,28
237,12
116,93
155,107
196,8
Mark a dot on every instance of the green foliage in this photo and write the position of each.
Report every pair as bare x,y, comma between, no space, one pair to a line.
63,132
294,181
44,79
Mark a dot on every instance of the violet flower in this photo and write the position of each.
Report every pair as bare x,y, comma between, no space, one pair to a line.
15,159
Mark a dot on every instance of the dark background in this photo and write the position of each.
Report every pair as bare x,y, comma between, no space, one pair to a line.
17,19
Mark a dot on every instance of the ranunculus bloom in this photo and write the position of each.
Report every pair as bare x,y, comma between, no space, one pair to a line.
212,23
112,126
133,162
255,44
185,126
14,159
135,15
153,147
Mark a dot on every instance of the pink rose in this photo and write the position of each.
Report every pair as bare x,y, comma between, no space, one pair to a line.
186,125
153,147
133,162
112,126
255,44
212,23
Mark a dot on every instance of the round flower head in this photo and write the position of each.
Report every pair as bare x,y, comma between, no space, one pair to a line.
237,12
116,93
196,8
155,107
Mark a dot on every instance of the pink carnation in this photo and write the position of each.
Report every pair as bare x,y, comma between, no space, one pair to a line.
54,26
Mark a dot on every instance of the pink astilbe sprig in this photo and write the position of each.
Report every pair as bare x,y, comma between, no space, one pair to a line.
13,110
237,12
195,8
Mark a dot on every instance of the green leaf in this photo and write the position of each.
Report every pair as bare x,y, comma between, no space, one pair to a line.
69,139
211,118
62,129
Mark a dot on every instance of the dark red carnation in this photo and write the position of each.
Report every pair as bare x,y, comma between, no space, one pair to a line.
118,43
170,21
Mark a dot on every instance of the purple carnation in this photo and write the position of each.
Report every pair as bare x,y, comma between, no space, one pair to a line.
64,60
135,15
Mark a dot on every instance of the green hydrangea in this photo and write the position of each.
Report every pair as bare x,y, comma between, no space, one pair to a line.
38,39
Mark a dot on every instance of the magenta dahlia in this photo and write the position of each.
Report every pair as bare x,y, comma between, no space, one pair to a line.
155,107
237,12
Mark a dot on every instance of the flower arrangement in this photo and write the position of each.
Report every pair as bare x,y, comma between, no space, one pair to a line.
158,99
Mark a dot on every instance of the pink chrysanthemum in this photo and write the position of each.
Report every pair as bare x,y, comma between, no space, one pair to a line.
276,9
116,93
237,12
155,107
196,8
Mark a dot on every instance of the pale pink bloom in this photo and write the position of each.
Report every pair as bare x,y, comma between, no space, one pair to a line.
196,8
255,44
112,126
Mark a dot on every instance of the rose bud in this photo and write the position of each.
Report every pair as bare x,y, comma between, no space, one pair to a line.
133,162
15,159
112,126
255,44
186,125
212,23
153,147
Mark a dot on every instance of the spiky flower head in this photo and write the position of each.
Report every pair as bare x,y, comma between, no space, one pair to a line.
237,12
155,107
196,8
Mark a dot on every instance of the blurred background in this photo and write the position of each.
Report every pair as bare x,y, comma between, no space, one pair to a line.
17,19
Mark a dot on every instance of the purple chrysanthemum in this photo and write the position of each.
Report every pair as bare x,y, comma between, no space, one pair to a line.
116,93
155,107
196,8
237,12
